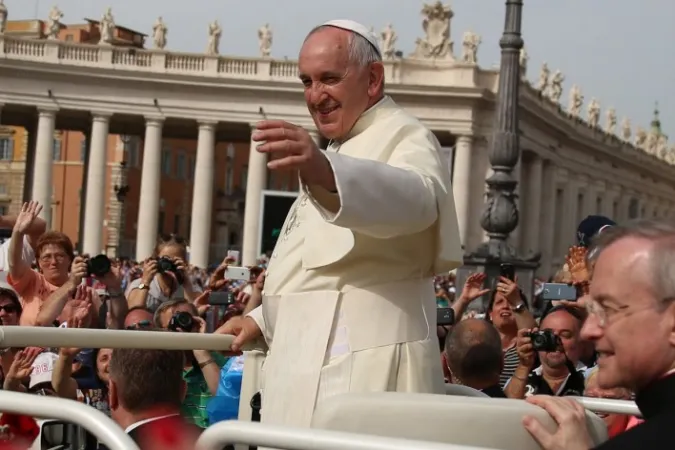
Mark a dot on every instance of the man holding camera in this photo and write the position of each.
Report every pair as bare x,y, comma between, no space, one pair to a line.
556,345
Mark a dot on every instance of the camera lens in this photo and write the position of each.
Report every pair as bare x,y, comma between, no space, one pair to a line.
181,321
98,265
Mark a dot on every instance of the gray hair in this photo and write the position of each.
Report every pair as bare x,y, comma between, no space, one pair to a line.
662,254
361,52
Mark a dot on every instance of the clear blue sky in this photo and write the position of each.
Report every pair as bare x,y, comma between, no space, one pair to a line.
613,50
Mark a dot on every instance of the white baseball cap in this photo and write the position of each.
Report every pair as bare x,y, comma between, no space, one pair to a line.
42,369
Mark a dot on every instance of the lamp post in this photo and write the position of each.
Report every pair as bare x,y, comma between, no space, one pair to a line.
500,214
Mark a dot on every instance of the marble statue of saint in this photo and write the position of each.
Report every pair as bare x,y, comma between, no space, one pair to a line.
661,146
107,27
436,25
544,73
640,138
593,113
523,59
54,23
556,88
670,155
651,143
626,129
576,101
470,43
610,126
265,40
388,38
159,32
3,16
215,32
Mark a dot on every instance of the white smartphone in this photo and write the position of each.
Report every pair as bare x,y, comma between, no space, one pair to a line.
237,273
234,254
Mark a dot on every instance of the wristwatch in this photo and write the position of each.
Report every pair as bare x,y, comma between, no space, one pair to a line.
143,286
519,308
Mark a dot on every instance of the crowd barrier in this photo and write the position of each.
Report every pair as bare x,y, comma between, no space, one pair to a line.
97,423
287,438
606,405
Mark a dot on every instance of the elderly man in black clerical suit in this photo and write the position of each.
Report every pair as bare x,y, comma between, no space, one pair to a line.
146,392
631,322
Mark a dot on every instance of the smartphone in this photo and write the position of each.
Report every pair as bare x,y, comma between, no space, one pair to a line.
237,273
234,255
221,298
508,271
445,316
558,291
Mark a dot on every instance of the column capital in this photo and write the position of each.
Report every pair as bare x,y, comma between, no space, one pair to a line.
155,121
465,139
101,115
207,124
48,111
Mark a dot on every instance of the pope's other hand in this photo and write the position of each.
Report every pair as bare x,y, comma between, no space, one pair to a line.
244,330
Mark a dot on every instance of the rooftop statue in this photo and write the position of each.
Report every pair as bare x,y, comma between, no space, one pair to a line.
159,32
215,32
470,43
265,40
436,24
107,27
54,23
388,38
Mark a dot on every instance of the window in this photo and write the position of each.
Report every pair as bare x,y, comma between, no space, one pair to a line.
160,223
229,179
244,177
191,168
166,162
181,166
6,149
4,210
56,149
69,38
3,189
633,208
133,152
83,148
176,224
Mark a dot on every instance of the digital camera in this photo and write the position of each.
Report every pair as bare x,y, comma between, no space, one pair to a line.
164,264
544,341
98,266
181,321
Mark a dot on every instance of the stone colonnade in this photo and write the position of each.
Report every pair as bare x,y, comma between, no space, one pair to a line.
149,202
552,201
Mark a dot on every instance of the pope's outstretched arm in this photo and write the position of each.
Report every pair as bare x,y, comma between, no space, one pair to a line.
385,200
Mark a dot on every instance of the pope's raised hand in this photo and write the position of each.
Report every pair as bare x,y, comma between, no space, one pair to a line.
294,149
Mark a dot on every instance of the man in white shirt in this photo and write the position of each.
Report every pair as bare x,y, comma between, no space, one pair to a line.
37,229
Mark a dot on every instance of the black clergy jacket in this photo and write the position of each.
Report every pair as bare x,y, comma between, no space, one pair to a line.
657,405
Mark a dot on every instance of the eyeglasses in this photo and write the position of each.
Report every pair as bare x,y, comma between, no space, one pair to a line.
9,309
604,314
140,325
58,257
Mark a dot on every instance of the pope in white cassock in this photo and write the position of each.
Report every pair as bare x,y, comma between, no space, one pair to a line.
348,302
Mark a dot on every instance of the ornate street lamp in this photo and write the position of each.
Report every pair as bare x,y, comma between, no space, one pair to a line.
500,215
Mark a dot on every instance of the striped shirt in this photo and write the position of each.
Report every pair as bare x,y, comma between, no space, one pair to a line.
510,364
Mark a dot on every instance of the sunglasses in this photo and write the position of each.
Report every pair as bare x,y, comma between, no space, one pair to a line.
9,309
140,325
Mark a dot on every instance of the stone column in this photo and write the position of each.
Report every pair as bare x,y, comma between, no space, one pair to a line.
461,186
255,184
532,209
202,195
607,203
569,218
148,206
94,207
590,198
548,218
44,158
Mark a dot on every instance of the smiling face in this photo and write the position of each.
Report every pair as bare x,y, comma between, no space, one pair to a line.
337,90
566,327
501,314
628,311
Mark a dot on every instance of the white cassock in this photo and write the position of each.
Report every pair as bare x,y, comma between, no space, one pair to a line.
349,304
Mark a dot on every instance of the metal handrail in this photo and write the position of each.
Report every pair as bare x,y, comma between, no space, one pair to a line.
606,405
291,438
94,421
14,336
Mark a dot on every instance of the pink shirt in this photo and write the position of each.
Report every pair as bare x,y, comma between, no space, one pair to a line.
33,290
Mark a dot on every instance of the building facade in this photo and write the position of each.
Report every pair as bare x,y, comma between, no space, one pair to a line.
162,104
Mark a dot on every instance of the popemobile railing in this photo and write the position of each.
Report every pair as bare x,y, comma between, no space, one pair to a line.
232,432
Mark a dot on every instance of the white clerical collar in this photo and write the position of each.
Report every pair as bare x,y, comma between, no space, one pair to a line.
385,106
135,425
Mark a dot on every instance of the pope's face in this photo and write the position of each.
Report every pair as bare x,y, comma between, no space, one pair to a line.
337,91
